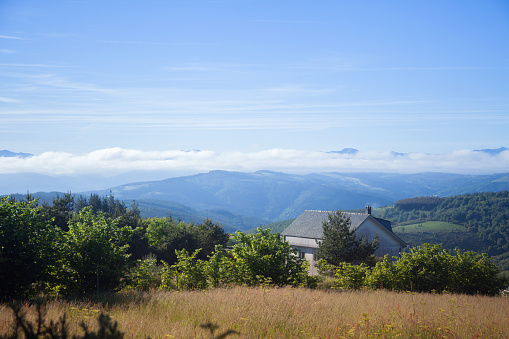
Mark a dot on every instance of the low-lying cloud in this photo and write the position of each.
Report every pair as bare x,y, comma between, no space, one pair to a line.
112,161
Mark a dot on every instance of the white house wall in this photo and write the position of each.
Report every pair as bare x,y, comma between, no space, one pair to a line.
388,244
301,242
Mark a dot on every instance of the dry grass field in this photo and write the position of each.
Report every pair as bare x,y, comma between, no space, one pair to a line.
288,313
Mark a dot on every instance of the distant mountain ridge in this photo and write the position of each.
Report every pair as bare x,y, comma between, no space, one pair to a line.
273,196
346,151
9,154
247,200
492,151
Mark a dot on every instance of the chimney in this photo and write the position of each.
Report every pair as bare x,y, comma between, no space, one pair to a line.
368,210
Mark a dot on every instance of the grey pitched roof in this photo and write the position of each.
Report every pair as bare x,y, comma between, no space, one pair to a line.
385,223
309,223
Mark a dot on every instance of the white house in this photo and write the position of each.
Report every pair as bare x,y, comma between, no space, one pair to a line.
304,232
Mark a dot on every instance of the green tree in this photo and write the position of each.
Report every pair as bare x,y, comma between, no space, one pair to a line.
210,235
60,210
473,273
190,273
264,256
94,252
190,270
144,275
166,235
425,268
341,244
428,268
26,250
220,269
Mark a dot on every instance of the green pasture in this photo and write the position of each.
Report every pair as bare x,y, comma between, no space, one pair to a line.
429,226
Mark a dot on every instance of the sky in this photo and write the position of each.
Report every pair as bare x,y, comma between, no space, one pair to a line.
98,86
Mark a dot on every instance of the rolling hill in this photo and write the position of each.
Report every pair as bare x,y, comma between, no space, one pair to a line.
272,196
246,200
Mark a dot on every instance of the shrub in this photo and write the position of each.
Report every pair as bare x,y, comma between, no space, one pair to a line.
426,268
340,243
26,254
187,273
146,274
263,255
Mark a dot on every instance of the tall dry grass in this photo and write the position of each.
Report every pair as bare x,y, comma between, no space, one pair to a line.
290,313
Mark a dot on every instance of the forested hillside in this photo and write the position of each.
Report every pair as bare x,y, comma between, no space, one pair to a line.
483,220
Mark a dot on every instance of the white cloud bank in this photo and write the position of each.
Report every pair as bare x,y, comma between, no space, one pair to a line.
112,161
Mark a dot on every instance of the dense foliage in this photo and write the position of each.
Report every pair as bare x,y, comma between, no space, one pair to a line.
70,248
166,236
74,248
341,244
62,208
94,252
26,254
419,203
484,214
266,256
256,259
425,268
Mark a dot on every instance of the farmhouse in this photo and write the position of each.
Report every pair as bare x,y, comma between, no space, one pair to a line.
304,232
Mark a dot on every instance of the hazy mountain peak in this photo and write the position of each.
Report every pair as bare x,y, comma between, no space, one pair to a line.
9,154
492,151
346,151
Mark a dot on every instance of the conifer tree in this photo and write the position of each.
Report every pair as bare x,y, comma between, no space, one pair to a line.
340,244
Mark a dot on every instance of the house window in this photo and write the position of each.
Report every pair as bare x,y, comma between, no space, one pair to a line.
302,254
315,255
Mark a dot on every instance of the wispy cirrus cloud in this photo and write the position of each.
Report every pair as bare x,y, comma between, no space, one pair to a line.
332,68
11,37
289,21
44,81
118,160
130,42
133,42
38,65
212,67
196,68
299,90
55,80
9,100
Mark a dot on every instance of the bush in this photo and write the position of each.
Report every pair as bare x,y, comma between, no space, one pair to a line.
426,268
26,251
146,274
187,273
263,256
475,273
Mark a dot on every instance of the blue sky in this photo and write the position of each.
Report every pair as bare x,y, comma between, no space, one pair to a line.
242,79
